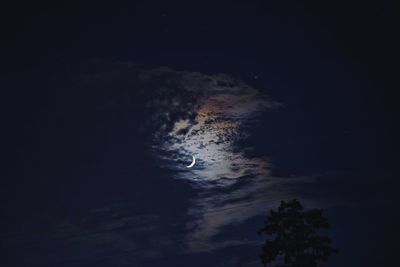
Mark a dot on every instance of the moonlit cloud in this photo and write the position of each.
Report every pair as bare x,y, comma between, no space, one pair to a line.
215,112
214,121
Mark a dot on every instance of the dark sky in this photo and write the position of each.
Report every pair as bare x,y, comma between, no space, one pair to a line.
330,63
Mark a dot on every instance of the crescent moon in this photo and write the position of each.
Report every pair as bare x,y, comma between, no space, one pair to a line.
193,162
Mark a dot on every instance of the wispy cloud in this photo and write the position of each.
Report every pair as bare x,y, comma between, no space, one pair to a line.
230,183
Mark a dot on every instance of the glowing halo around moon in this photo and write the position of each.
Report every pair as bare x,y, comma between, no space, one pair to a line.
193,162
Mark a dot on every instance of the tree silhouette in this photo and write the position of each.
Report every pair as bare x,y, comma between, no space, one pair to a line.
295,239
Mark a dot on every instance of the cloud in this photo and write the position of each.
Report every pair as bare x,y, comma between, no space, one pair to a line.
115,235
215,112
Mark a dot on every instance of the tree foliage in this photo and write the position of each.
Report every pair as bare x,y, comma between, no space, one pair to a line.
294,238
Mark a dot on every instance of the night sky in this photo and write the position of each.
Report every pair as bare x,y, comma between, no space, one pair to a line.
104,106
